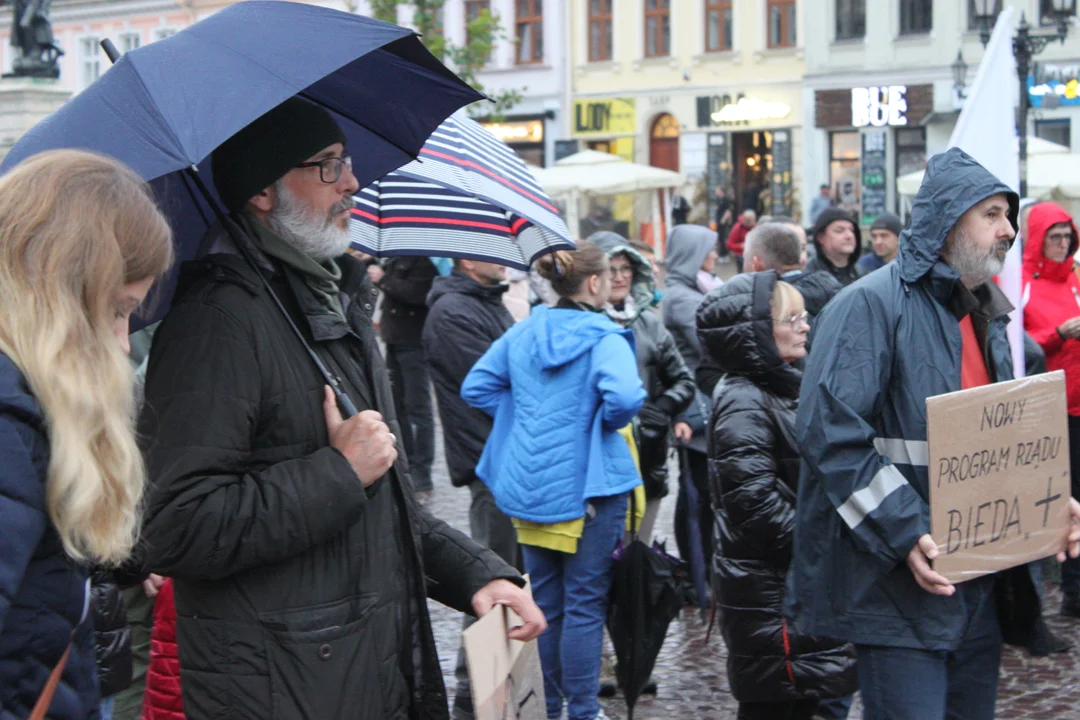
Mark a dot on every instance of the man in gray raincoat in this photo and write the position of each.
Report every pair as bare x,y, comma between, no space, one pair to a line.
933,322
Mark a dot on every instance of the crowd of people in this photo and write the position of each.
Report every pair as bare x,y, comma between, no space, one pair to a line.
251,481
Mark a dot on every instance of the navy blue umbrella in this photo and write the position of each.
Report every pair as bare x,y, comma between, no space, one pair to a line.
165,107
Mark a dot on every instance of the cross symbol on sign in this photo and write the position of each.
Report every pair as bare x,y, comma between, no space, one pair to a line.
1045,502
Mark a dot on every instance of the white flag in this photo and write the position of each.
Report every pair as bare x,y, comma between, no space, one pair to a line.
986,130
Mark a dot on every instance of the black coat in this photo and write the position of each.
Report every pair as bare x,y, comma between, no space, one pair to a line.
405,288
112,634
299,594
821,263
816,288
464,318
42,592
753,480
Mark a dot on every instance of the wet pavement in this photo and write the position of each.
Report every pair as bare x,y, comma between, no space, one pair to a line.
691,673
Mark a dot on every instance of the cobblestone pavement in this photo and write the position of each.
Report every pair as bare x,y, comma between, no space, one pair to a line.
691,674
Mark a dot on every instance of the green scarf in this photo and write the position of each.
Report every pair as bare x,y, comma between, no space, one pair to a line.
321,278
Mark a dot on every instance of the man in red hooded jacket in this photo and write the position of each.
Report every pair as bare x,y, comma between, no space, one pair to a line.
1052,318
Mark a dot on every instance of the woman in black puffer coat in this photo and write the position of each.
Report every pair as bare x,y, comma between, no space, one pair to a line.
754,328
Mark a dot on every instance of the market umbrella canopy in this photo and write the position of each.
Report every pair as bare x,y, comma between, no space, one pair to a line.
468,196
590,172
165,107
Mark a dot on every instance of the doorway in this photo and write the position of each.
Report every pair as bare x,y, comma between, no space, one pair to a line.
664,143
753,164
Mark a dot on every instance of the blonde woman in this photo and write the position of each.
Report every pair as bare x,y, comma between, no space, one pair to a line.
81,242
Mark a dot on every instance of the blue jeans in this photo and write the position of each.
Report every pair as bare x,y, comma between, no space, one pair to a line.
906,684
572,590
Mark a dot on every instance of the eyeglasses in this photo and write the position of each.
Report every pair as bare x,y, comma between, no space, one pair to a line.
330,169
1060,238
624,270
794,320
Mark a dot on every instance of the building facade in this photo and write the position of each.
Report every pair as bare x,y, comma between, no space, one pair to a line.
881,95
708,88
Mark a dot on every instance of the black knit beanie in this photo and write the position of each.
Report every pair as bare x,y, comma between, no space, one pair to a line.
260,154
889,222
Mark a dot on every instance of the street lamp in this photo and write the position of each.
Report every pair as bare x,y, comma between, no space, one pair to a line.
1026,45
959,75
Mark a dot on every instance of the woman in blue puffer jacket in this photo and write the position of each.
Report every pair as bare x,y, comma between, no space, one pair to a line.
560,385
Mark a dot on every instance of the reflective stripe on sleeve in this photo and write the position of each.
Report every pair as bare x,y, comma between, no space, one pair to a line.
865,501
904,452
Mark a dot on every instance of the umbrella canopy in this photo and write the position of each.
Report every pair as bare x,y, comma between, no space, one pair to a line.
590,172
166,106
644,599
468,196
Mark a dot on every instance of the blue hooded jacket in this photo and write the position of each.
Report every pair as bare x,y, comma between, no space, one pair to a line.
881,348
560,384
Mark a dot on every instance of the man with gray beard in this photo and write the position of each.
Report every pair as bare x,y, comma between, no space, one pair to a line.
930,323
301,561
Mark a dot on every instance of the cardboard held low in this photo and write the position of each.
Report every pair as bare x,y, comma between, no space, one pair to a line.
999,475
504,675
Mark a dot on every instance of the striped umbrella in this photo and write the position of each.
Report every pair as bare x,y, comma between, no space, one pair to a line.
468,195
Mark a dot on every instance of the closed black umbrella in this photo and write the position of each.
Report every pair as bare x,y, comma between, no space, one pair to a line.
644,598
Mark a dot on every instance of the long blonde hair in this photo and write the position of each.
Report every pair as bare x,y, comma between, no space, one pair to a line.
76,227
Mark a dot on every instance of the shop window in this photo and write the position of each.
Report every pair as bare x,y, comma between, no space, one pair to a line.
850,19
529,24
910,150
657,28
973,13
916,16
844,169
1056,131
599,30
718,25
781,14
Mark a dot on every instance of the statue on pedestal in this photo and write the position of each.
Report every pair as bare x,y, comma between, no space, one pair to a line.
32,33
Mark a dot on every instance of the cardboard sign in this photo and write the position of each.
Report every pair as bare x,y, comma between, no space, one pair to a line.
505,676
999,475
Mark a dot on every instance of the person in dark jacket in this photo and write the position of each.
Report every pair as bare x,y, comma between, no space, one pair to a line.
778,245
405,283
884,241
300,559
83,243
112,639
668,382
838,245
755,327
466,315
861,568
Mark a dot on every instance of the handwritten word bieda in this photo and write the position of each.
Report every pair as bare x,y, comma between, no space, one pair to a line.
998,415
989,522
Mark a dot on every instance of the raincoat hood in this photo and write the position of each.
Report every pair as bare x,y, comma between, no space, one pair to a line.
827,217
562,336
643,284
1036,265
687,247
736,328
954,183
